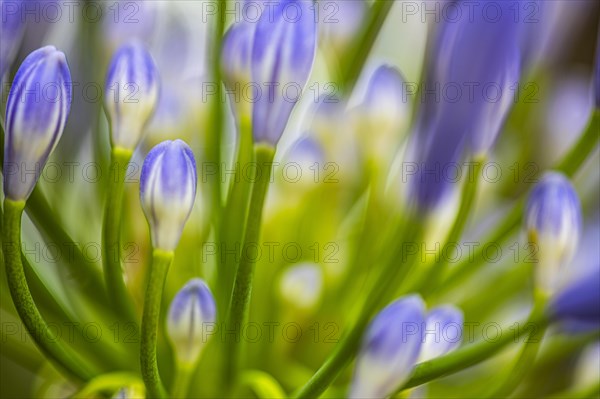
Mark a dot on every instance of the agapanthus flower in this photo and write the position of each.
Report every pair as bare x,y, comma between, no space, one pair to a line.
282,57
168,191
390,349
191,317
36,113
553,223
579,302
131,94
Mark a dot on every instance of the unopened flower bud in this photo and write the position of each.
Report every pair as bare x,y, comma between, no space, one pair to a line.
131,94
167,191
282,58
553,223
36,113
390,349
443,332
191,317
302,285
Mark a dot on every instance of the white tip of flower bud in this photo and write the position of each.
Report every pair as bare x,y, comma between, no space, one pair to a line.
301,286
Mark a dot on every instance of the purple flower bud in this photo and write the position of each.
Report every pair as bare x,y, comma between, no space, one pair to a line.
390,349
443,332
579,303
553,223
341,22
282,58
167,191
36,113
236,58
12,27
467,94
192,309
131,94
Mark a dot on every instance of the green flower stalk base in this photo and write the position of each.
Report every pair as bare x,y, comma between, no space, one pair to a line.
38,329
242,289
161,261
111,233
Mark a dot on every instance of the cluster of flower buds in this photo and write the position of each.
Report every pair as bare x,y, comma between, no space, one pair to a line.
401,335
274,54
131,94
191,311
35,118
553,223
168,191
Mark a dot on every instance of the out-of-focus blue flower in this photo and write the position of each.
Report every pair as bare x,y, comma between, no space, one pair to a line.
12,27
189,321
390,349
236,58
467,94
579,303
553,223
167,191
443,332
131,94
282,58
36,113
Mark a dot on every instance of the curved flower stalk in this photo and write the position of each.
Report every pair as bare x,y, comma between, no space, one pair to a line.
131,95
167,193
192,315
553,223
34,124
390,349
12,27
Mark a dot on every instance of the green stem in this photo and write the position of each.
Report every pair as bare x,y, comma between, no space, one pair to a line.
236,210
161,261
527,355
356,59
43,336
467,356
182,381
111,234
237,314
469,192
569,165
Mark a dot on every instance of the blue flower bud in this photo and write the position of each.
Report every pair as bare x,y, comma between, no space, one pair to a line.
167,191
131,94
191,315
390,349
385,100
579,303
11,31
467,94
553,223
443,332
282,57
36,113
236,57
341,23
